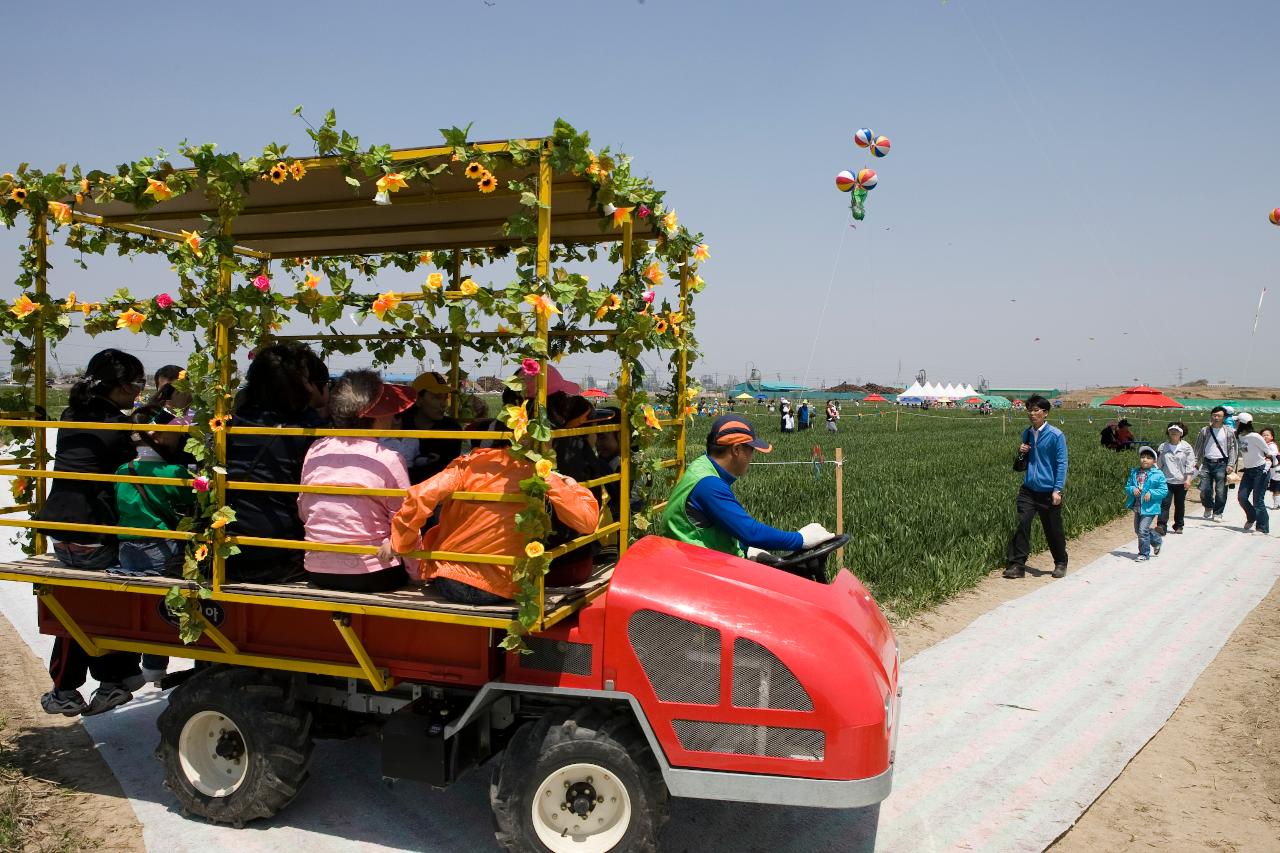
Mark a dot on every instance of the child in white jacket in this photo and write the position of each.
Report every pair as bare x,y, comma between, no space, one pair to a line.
1177,460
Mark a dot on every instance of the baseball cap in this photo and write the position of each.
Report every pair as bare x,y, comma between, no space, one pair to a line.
1244,418
555,382
728,430
391,400
431,381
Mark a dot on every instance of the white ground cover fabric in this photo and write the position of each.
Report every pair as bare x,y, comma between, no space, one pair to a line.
1010,728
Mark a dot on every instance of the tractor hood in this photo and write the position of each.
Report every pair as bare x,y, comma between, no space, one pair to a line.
796,618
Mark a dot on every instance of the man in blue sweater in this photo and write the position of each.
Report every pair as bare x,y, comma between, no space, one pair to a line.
1045,449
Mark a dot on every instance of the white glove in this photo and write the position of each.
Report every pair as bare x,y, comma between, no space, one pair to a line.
814,534
760,555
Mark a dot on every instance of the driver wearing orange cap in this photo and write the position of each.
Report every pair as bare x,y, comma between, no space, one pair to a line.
703,509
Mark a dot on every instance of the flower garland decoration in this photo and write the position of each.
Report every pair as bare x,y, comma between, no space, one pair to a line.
644,320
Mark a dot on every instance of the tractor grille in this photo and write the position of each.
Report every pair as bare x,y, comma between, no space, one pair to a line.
557,656
760,680
680,658
768,741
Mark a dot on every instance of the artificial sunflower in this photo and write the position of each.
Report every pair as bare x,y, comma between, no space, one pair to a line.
474,171
217,423
297,171
661,326
278,173
487,184
201,553
18,194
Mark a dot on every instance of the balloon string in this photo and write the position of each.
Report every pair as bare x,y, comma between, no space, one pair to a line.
835,267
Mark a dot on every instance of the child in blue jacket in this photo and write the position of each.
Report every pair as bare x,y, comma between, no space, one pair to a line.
1144,492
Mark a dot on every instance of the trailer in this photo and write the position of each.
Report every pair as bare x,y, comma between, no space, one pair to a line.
663,670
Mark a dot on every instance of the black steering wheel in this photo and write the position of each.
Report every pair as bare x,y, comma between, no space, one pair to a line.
811,563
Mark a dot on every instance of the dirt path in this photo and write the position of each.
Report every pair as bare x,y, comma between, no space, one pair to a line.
1209,780
56,793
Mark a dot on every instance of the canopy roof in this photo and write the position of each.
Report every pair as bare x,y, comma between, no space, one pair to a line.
326,215
1143,396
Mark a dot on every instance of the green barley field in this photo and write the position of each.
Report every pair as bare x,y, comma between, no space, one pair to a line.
930,506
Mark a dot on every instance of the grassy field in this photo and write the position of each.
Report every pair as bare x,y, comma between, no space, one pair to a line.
930,508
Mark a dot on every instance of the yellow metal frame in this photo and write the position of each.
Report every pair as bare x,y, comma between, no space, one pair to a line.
342,613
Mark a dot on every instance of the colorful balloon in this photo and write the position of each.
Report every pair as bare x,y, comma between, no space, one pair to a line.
866,179
880,146
864,137
845,181
1275,216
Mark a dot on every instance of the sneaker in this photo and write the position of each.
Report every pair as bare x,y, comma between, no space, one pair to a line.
1142,558
133,682
68,703
106,697
1177,530
153,676
1014,572
1155,550
1208,513
1217,517
1059,571
1248,525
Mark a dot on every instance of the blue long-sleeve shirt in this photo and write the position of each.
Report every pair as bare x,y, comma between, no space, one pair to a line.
1047,464
714,500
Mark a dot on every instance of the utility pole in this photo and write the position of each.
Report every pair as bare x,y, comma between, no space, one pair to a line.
1181,370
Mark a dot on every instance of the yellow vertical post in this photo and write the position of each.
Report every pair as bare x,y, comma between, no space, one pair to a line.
222,352
40,236
543,271
455,348
624,427
682,375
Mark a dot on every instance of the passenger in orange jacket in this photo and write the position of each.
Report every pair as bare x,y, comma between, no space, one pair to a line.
480,527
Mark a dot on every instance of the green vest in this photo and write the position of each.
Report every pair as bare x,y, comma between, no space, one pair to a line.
676,517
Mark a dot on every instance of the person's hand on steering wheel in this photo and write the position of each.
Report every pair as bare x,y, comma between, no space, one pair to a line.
814,534
760,555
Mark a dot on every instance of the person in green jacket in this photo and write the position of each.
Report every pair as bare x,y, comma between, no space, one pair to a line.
153,507
704,511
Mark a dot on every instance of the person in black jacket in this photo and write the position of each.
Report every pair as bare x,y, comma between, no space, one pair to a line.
111,383
279,392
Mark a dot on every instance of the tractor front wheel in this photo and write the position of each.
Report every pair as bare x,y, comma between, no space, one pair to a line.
583,782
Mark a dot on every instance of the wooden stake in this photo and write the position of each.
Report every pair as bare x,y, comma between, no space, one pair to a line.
897,416
840,502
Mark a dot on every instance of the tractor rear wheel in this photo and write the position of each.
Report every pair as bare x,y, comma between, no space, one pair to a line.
235,743
583,781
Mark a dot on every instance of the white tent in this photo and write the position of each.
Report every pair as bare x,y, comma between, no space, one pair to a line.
951,391
930,391
969,391
914,391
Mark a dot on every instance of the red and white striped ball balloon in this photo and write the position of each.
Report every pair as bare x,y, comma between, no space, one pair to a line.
1275,216
866,178
864,137
845,181
880,146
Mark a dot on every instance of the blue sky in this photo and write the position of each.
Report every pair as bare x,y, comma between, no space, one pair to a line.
1109,166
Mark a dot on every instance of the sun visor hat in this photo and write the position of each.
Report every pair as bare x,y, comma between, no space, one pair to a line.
431,381
728,430
1244,418
1147,451
391,400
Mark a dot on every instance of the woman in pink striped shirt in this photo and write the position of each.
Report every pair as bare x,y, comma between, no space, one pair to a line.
359,400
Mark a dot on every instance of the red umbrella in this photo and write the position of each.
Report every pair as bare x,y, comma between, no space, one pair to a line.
974,400
594,392
874,398
1143,397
